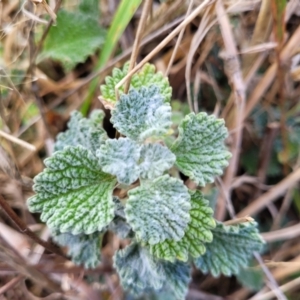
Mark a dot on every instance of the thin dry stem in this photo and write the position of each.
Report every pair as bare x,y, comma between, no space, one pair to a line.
17,141
274,193
178,40
161,45
137,41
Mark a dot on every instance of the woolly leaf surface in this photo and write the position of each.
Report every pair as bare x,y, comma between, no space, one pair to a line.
72,193
144,78
199,148
75,36
177,278
120,158
154,160
142,114
119,225
84,249
159,209
138,270
140,273
198,232
87,132
231,249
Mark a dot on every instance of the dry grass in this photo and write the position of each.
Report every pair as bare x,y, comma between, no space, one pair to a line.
222,56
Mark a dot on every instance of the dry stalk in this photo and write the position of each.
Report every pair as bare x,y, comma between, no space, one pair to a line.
178,40
274,193
234,73
137,41
161,45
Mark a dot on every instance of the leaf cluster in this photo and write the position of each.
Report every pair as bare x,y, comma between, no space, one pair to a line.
169,226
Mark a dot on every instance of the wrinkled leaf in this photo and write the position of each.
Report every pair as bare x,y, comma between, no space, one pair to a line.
141,273
84,249
120,158
144,78
198,232
155,159
159,209
199,149
138,271
177,278
87,133
142,114
231,249
72,193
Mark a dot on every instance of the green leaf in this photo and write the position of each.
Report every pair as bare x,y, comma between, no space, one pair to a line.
82,131
72,193
231,249
119,225
83,249
138,271
144,78
141,273
199,149
142,114
120,158
159,210
154,160
196,234
177,278
75,36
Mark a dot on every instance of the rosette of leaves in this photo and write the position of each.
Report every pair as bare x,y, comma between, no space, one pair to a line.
168,225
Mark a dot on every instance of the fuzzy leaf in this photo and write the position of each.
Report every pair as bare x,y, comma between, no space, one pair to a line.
142,114
119,224
177,278
196,234
154,160
199,149
120,158
231,249
72,193
138,271
146,77
159,210
141,273
75,36
82,131
83,249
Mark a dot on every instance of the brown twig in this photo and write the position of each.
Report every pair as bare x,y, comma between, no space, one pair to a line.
24,229
137,40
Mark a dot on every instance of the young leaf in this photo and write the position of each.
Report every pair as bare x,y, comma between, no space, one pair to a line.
196,234
155,159
138,271
75,36
177,278
120,158
142,114
231,249
72,193
119,224
83,249
145,78
159,210
87,133
199,149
